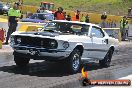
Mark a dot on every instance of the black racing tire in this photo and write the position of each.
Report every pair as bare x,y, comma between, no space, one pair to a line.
74,61
21,61
107,59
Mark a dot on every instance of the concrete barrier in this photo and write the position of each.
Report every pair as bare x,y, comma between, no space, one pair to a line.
27,8
113,32
27,28
3,20
4,25
94,17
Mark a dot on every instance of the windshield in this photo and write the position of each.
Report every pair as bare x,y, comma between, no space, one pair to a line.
1,5
65,27
43,16
34,16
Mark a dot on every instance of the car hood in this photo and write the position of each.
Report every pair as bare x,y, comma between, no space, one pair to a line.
32,20
51,35
32,34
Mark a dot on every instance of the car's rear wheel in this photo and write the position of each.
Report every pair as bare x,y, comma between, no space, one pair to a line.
74,61
21,61
107,59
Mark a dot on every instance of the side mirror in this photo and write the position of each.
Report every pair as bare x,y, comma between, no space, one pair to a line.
92,35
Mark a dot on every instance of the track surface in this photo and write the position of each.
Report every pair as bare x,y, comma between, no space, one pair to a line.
41,74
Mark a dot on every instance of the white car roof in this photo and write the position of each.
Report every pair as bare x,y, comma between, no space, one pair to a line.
77,22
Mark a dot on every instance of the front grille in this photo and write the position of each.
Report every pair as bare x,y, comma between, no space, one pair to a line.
36,42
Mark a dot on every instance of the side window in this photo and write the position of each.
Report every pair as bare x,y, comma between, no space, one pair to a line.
82,29
85,29
34,16
98,32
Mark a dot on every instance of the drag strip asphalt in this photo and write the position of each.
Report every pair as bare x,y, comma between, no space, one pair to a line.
42,74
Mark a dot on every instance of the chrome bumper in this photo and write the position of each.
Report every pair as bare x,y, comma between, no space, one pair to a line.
42,52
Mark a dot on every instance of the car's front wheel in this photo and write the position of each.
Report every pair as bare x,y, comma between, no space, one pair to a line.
107,59
74,61
20,61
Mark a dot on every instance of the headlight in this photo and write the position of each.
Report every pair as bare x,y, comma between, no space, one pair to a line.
65,45
18,40
12,40
53,44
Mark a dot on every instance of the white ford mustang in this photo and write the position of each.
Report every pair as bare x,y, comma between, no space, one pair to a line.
70,41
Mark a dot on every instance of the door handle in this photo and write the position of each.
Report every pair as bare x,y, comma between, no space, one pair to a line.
105,41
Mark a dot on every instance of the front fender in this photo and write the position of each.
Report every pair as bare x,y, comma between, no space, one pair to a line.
79,44
75,45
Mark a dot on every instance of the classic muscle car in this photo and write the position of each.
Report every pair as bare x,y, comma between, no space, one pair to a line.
71,41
